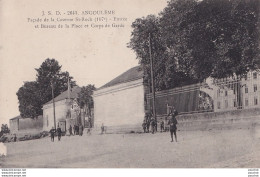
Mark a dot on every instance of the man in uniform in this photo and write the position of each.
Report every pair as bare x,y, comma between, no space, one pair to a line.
153,124
70,130
144,126
173,122
52,132
162,126
59,132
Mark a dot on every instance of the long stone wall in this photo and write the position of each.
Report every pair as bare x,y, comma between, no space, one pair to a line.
219,120
237,119
26,125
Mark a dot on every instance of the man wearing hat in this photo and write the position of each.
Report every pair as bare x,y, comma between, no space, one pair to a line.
153,124
52,132
59,132
173,122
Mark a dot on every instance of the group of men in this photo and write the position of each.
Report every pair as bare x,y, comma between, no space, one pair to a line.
77,130
149,121
172,122
53,131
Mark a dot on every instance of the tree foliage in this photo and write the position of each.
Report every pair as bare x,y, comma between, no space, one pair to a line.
4,128
85,101
192,40
85,98
32,95
29,100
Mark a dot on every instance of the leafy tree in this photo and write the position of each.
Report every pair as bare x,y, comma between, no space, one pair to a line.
4,128
50,73
29,100
85,100
192,40
142,29
32,95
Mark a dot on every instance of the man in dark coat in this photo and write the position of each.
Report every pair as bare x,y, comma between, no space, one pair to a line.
173,122
76,129
148,120
144,126
80,130
70,130
52,132
59,133
102,128
153,124
15,138
162,126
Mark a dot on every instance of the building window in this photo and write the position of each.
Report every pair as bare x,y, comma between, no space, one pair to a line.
255,75
246,102
255,101
255,88
235,103
226,103
246,89
219,105
226,92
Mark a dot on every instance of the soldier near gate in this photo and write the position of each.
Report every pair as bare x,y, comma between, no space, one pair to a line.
173,123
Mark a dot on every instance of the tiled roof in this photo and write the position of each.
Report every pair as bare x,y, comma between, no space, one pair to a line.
64,95
132,74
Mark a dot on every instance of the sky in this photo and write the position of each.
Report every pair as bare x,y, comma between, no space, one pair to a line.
90,55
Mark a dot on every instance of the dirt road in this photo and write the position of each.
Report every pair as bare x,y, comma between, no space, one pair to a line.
214,148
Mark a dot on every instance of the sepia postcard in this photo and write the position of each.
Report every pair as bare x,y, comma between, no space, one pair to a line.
129,84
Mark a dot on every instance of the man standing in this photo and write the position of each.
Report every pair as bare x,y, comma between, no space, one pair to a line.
148,123
52,132
15,138
80,130
162,126
153,124
74,129
102,128
59,132
144,126
70,130
173,122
